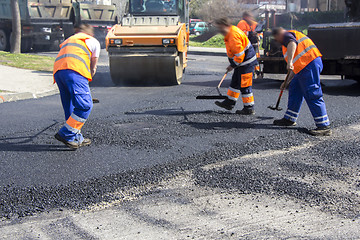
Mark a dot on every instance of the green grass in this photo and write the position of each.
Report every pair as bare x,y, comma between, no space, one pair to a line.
27,61
216,41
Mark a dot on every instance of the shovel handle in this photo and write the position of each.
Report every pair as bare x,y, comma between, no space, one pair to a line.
222,80
289,77
279,99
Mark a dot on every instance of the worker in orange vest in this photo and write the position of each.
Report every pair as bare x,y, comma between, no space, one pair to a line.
74,67
248,26
304,59
242,60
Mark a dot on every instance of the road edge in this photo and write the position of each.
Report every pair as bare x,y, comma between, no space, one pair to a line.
12,97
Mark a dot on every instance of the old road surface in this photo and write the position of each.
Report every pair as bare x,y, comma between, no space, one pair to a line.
164,165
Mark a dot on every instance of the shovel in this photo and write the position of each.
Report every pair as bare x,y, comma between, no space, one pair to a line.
276,107
220,96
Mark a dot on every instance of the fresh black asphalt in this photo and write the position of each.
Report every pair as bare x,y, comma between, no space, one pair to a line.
145,134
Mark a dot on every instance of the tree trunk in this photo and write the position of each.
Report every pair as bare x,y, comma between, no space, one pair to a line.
15,40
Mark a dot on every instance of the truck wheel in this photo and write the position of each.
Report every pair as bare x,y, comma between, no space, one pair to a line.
4,41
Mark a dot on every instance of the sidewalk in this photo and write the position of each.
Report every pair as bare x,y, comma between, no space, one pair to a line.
207,51
19,84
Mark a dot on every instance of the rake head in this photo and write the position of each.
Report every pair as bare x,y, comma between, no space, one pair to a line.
210,97
275,108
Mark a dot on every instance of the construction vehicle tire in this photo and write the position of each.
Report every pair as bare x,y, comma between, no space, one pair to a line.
4,41
139,70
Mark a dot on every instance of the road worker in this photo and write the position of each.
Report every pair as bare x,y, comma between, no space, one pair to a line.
304,59
74,67
248,26
242,59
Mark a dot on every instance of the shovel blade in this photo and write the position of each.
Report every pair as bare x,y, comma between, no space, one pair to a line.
210,97
275,108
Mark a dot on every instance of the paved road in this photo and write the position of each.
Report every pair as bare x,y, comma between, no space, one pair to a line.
142,135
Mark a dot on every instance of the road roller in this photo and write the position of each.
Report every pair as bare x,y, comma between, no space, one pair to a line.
149,46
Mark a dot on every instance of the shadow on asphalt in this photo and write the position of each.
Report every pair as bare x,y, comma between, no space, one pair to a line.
258,84
330,86
16,147
241,125
171,112
222,125
182,112
229,125
26,143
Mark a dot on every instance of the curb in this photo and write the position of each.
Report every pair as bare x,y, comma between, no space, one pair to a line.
11,97
207,53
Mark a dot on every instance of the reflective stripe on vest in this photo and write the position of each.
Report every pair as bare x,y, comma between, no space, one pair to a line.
305,52
79,46
69,55
74,55
299,41
243,52
239,56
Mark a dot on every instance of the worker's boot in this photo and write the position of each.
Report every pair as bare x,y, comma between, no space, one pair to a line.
246,111
85,142
284,122
321,131
227,104
72,145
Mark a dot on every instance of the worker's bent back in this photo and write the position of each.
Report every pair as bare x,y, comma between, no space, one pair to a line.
305,53
75,55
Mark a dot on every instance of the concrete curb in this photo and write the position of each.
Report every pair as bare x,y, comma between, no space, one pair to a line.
207,53
11,97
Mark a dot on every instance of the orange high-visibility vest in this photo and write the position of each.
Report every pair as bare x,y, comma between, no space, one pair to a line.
237,45
246,28
74,55
305,52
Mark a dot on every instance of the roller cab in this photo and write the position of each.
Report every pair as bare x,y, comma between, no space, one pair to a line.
150,46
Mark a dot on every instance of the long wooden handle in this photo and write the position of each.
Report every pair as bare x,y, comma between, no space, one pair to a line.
289,77
279,99
222,80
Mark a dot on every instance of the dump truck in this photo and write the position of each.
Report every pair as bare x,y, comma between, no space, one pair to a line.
41,23
338,43
151,43
101,16
46,23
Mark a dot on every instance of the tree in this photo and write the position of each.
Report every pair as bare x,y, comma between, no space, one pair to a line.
209,10
15,40
195,7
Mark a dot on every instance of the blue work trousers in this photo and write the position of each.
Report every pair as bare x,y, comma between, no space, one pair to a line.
77,103
306,85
